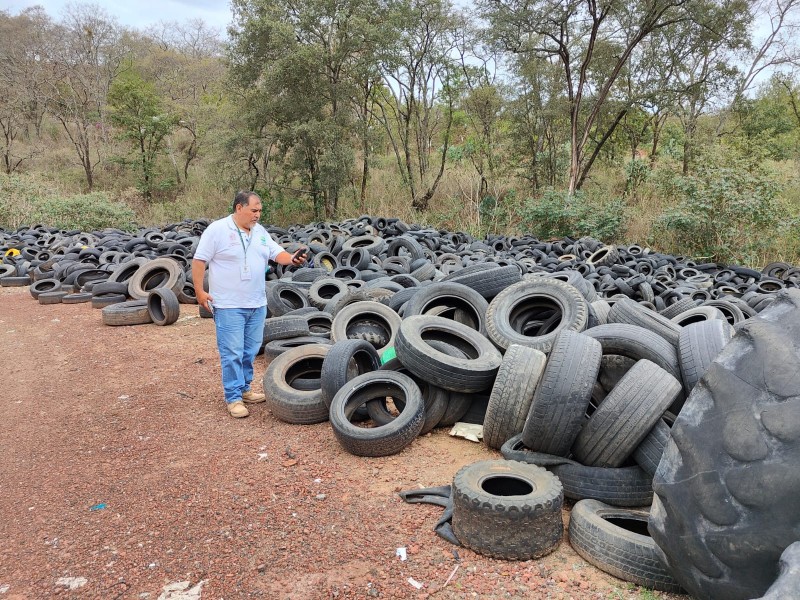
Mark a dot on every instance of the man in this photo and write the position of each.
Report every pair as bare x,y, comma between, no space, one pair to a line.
237,250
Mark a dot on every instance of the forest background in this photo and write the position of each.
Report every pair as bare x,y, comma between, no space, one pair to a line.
671,123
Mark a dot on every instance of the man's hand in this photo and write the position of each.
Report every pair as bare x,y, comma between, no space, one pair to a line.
203,298
299,257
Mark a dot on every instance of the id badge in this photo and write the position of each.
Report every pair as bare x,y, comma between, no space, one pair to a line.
244,272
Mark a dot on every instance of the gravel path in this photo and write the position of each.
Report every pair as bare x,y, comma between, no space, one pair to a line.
123,477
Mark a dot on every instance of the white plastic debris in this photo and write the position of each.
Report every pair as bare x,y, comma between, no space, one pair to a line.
469,431
262,456
71,583
181,590
415,583
123,397
401,553
4,588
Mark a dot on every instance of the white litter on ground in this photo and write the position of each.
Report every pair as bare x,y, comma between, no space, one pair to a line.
415,583
181,590
72,583
468,431
4,588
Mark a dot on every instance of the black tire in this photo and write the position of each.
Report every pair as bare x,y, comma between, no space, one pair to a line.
673,310
726,502
43,286
125,271
15,281
460,301
132,312
601,308
472,373
698,346
434,398
383,440
319,324
285,327
490,281
604,257
275,348
325,288
51,297
534,311
77,298
163,305
626,416
650,450
615,540
159,272
625,486
103,300
284,297
345,360
637,343
512,394
788,581
383,319
109,287
633,313
288,404
557,411
458,405
697,314
508,510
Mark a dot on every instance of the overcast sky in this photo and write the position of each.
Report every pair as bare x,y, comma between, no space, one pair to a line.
141,13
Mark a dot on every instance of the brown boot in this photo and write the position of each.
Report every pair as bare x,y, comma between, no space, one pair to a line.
238,409
251,397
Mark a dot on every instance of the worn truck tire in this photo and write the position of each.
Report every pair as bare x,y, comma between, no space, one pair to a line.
473,372
512,394
534,311
726,503
132,312
382,440
623,486
557,411
615,540
626,416
507,509
288,404
163,306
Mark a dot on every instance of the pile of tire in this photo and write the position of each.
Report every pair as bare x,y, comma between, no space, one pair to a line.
134,278
575,356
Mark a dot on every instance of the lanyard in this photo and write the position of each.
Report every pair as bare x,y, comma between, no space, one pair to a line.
241,239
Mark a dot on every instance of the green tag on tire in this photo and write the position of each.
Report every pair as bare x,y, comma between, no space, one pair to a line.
388,355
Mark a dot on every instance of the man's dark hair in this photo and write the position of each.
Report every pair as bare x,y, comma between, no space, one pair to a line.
242,198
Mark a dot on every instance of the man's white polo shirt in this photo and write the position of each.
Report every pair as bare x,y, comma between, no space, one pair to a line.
221,247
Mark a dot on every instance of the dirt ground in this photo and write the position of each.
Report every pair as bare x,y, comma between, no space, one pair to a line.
122,476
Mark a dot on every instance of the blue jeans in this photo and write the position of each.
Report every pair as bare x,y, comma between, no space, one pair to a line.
240,332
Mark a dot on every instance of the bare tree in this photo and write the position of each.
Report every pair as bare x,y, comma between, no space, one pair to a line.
23,40
86,57
417,102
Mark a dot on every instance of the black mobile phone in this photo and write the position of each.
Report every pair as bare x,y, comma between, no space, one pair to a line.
301,252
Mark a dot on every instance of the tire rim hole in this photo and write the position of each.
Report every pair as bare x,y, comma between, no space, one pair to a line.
469,351
632,525
503,485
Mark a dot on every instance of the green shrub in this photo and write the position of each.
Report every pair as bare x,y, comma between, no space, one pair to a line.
86,212
724,212
25,201
558,214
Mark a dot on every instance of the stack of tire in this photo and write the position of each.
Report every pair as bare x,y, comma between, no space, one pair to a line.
135,279
575,356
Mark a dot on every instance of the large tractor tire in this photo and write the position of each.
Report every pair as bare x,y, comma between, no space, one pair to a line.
726,491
